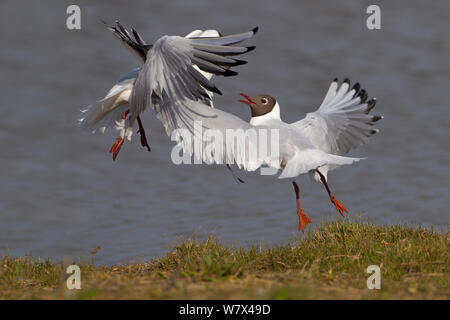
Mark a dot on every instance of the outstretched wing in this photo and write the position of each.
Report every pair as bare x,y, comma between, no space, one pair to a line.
342,121
222,138
169,74
227,139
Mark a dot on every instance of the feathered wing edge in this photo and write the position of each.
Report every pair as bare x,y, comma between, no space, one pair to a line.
344,119
347,111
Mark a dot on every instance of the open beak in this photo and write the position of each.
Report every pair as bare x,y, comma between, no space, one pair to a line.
248,101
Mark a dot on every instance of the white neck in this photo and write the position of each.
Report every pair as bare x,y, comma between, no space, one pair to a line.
272,115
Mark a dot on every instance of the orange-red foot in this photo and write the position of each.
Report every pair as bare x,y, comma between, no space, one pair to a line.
303,220
116,147
339,206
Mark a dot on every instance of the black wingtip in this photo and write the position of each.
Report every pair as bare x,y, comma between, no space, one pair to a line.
215,90
363,95
121,27
376,118
371,104
229,73
234,175
255,29
251,48
137,37
238,62
357,89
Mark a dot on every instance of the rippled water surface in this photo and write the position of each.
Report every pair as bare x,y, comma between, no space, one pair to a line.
62,195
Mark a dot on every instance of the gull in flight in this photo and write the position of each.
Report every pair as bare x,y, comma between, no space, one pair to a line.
173,68
314,145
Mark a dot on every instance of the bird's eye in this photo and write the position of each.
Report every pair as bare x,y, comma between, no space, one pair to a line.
264,100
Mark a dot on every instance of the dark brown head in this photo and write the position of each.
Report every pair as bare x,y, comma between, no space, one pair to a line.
260,105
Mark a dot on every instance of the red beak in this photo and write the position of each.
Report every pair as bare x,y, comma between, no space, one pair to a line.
248,101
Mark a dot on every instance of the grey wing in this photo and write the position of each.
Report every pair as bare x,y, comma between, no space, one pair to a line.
135,44
342,121
226,40
169,74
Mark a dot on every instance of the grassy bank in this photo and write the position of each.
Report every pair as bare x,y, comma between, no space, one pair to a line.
327,264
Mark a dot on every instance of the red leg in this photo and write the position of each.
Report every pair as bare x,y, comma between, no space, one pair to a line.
303,219
141,130
116,147
339,207
124,114
120,140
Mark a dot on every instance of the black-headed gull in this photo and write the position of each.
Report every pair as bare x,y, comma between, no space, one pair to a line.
174,68
314,145
342,122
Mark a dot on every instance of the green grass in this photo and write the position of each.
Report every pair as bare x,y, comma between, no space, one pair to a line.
329,263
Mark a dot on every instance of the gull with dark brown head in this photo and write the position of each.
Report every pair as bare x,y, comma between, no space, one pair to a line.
341,123
314,145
